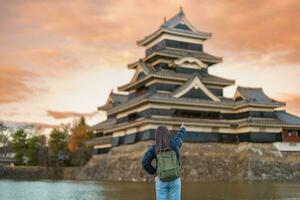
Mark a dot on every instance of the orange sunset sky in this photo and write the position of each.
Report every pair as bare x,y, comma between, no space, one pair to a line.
59,59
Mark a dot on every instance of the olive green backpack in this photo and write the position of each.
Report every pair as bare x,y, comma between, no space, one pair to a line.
167,165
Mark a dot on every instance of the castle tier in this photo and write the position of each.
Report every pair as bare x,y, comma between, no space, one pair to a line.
172,85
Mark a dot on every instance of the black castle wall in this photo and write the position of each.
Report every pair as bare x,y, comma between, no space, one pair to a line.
174,44
257,137
195,114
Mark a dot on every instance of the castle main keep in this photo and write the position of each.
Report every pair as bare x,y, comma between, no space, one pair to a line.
172,84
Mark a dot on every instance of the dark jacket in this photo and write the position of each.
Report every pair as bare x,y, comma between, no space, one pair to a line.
175,145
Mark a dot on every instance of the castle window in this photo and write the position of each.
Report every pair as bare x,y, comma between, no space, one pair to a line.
293,134
141,90
197,114
238,99
183,27
174,44
99,134
183,45
133,116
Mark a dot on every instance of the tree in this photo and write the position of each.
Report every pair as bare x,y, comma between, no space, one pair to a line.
4,138
58,147
80,153
19,143
43,151
37,150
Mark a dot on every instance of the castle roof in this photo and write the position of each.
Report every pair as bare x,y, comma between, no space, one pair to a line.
114,99
287,118
177,25
225,103
254,95
194,82
108,123
172,84
246,122
181,77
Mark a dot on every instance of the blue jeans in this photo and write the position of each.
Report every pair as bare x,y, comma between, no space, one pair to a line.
171,189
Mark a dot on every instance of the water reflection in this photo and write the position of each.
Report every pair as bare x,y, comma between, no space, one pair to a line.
70,190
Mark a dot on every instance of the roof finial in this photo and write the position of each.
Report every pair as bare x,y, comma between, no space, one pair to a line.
165,19
181,9
180,6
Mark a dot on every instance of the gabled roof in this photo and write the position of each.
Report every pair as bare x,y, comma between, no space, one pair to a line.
140,68
194,83
180,23
287,118
177,25
114,99
255,95
144,66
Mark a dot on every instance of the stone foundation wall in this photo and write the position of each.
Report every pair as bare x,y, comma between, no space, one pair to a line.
200,162
31,173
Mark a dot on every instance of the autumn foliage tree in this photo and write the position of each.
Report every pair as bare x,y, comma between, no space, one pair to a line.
80,152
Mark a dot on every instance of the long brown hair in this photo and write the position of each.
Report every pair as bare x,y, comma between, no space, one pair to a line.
162,139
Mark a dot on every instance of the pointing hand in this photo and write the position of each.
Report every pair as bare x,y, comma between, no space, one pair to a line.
182,125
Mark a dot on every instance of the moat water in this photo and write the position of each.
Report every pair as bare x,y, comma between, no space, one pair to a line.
73,190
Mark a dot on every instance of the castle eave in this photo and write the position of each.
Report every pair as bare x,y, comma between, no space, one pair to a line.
161,31
103,125
166,99
202,123
100,141
178,77
175,53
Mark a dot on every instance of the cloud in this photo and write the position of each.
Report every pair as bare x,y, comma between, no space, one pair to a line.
16,124
293,103
261,26
110,28
68,114
13,84
56,40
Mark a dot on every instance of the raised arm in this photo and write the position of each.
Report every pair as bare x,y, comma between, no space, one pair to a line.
178,139
148,157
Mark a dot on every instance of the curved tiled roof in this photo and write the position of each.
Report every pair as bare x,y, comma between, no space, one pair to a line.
203,122
100,140
108,123
167,99
287,118
255,95
170,26
115,100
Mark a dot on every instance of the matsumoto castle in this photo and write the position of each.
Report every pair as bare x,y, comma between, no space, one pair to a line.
171,85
